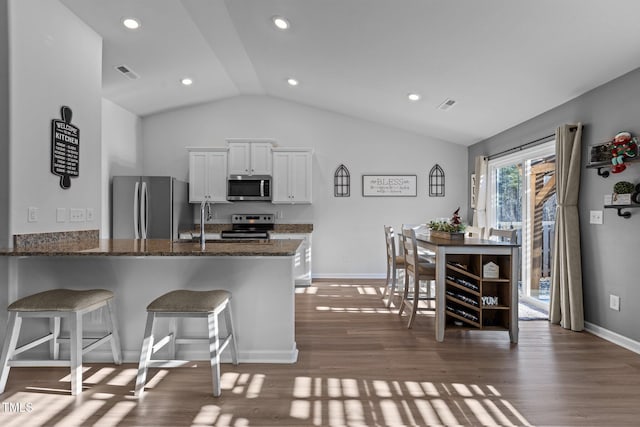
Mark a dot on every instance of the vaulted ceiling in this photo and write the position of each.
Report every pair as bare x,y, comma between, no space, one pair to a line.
501,61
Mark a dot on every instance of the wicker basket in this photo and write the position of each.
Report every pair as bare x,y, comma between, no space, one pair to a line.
458,235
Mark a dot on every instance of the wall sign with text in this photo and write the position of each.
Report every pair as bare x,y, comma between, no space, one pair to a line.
65,148
389,185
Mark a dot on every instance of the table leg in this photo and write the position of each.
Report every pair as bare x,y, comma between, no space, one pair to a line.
440,293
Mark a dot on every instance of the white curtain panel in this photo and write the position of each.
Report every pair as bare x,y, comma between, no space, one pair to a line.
566,307
480,193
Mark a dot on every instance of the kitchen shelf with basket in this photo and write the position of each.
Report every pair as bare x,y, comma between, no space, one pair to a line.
468,292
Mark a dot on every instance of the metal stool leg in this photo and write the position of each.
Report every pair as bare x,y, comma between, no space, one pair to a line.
228,320
173,333
54,345
115,335
145,354
75,332
214,350
10,342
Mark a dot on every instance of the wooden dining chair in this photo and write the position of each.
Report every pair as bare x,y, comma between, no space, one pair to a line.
474,232
416,270
420,229
510,236
395,264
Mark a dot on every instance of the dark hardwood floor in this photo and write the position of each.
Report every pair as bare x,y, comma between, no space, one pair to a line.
359,366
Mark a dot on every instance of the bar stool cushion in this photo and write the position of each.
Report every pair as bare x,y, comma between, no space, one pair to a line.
61,300
184,301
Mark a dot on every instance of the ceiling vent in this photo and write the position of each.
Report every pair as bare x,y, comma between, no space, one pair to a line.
127,72
447,104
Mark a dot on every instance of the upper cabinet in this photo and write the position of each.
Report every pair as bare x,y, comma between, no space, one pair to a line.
292,175
249,157
208,175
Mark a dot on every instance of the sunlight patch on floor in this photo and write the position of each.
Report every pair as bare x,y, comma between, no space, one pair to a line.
345,401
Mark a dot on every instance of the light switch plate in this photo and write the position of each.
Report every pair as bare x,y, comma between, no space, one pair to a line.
614,302
32,215
61,214
90,214
76,215
595,217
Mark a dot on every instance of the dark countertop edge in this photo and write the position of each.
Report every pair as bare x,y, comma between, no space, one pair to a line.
159,247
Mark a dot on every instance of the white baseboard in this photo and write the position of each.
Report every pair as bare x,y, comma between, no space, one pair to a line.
350,276
613,337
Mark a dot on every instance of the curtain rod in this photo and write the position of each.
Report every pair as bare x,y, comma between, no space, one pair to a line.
526,145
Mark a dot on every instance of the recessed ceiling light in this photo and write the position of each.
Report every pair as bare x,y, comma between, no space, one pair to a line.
292,82
414,97
186,81
131,23
281,23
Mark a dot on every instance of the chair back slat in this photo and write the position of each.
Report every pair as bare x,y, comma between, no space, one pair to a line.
390,238
510,236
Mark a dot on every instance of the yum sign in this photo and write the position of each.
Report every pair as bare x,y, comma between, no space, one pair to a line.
489,300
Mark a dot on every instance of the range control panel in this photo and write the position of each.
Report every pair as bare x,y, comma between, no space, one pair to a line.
252,218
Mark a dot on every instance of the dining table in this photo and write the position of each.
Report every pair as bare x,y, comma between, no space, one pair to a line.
461,263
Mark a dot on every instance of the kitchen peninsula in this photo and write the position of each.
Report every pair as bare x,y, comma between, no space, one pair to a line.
258,273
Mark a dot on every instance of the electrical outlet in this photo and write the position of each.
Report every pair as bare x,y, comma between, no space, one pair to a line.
595,217
61,214
90,214
32,215
614,302
77,215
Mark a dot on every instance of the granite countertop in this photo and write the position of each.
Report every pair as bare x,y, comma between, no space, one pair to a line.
157,247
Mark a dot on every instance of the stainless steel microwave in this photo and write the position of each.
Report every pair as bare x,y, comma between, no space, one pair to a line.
248,187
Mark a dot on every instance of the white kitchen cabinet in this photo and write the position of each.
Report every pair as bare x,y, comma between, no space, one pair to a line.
208,175
249,157
302,260
292,175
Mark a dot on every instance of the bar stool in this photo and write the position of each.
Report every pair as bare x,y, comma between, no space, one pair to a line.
59,304
181,304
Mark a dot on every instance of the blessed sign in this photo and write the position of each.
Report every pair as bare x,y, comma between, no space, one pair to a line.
389,185
65,148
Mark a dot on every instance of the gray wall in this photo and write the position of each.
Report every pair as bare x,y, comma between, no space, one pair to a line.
4,155
4,125
609,251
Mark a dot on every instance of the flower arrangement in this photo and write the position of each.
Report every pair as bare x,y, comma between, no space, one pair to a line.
454,225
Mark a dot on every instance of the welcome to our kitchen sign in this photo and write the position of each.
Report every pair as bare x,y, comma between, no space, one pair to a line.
65,148
389,185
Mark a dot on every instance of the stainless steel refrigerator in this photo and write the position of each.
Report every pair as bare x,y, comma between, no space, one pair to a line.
149,207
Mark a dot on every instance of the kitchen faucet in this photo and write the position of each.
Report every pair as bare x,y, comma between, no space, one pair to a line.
204,205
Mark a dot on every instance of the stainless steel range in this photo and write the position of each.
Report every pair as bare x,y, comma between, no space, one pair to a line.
249,226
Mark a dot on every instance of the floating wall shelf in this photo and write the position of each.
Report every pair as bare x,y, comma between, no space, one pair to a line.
620,207
607,166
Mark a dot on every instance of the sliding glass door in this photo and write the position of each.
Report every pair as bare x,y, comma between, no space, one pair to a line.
521,191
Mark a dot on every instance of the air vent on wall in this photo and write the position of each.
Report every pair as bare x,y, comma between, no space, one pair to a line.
127,72
447,104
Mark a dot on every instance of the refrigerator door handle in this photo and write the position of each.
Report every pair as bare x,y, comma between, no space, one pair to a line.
144,206
136,210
